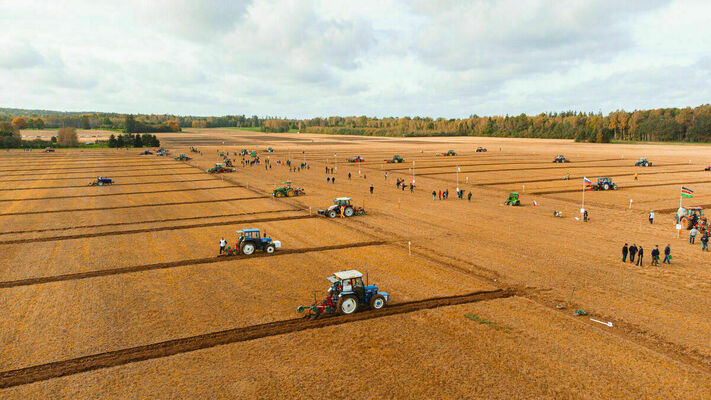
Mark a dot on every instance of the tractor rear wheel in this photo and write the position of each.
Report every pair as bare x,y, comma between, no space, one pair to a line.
377,302
270,249
290,193
247,248
347,305
348,212
332,214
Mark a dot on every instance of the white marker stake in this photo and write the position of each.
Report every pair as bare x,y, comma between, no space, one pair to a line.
630,203
601,322
409,249
309,210
524,188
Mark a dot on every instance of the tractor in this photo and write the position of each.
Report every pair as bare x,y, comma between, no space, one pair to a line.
603,184
219,169
102,181
253,154
450,153
250,240
227,162
270,150
145,153
708,168
691,217
355,159
481,149
243,152
395,160
560,159
346,295
162,153
287,191
513,200
643,162
182,157
345,204
49,150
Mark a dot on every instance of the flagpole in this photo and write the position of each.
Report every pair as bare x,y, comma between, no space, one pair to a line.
680,196
457,179
582,207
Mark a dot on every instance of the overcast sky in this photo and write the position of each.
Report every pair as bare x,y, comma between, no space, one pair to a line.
300,58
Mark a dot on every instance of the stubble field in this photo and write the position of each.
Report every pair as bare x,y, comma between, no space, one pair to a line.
118,291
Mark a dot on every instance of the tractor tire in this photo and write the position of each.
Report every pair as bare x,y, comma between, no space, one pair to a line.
606,186
279,194
101,183
347,305
348,212
377,302
270,249
686,223
290,193
517,203
247,248
332,214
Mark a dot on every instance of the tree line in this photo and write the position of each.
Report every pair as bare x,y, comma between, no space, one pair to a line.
662,124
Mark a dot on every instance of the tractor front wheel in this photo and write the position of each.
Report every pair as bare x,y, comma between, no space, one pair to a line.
332,214
247,248
347,305
270,249
377,302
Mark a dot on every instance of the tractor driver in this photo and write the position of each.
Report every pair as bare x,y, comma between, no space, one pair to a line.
347,287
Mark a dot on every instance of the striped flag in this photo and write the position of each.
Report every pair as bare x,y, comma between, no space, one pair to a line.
686,192
586,180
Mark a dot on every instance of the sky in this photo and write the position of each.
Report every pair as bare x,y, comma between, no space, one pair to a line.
380,58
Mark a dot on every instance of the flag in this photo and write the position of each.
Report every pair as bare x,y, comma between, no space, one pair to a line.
586,180
535,203
458,168
686,192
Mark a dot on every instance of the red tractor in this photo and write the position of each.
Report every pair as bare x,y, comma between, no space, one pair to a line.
692,217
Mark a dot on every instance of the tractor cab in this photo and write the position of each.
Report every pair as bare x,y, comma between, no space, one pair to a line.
342,201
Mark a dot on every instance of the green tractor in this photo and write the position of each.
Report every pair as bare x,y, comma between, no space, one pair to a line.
450,153
287,191
395,160
513,199
253,153
243,152
182,157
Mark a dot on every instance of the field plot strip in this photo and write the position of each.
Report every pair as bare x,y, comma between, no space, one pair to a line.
109,359
629,187
154,229
175,264
453,164
30,179
101,171
45,168
582,176
148,221
115,184
176,203
75,196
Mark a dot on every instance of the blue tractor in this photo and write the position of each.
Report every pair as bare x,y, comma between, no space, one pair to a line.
346,294
102,181
251,240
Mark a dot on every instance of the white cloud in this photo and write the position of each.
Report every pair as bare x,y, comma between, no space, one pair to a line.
388,57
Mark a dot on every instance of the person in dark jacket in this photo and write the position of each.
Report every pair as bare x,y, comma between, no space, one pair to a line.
624,253
371,189
640,254
705,242
469,196
434,195
667,255
655,256
633,251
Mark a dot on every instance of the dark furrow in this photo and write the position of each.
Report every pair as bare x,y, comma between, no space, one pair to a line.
115,184
46,168
102,171
30,179
115,358
176,264
148,221
155,229
628,187
175,203
74,196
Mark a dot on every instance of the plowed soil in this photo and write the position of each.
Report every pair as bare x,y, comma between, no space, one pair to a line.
127,278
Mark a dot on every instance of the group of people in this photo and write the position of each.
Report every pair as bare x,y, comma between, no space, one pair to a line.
400,184
443,195
637,252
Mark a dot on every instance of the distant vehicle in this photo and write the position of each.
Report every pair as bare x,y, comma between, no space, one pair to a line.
603,184
346,295
345,204
481,149
560,159
395,160
183,157
450,153
270,150
287,191
219,169
513,199
145,153
251,240
355,159
643,162
102,181
48,150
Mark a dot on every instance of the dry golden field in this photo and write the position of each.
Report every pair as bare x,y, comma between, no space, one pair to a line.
118,291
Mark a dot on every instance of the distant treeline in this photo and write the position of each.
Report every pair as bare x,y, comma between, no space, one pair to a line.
663,124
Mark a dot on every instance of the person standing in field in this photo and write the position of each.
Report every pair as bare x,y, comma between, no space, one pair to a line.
624,253
692,235
349,176
333,180
328,179
434,195
223,243
640,254
655,256
705,242
651,216
386,176
667,255
469,196
633,252
440,194
342,210
371,189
